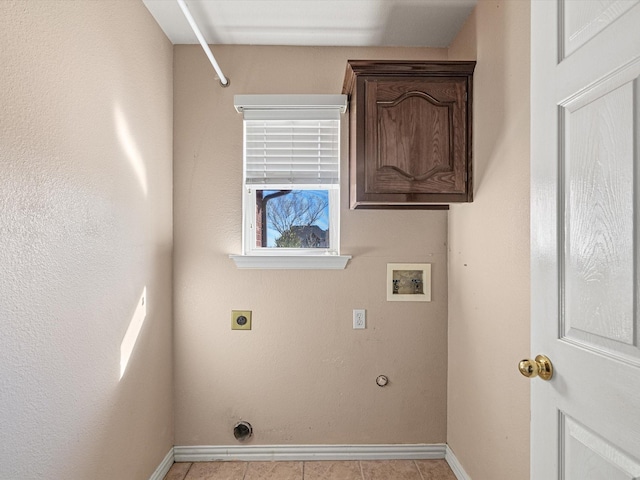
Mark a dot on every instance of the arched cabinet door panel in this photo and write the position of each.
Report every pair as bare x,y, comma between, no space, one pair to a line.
410,133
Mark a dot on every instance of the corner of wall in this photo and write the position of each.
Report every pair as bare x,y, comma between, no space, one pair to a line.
489,252
86,200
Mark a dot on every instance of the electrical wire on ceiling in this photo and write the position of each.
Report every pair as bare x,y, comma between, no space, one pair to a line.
224,81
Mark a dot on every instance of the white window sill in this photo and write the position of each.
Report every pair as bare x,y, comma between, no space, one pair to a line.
284,262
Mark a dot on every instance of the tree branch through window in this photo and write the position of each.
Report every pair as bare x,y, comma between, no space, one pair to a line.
295,214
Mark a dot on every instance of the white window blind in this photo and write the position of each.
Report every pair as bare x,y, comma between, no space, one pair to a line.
294,152
292,140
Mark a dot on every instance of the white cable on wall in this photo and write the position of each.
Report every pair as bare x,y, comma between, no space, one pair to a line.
224,81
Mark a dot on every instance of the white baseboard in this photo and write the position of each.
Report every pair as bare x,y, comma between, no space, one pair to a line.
164,467
455,465
205,453
209,453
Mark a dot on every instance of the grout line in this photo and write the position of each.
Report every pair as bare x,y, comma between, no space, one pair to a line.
419,471
187,472
361,471
246,467
302,470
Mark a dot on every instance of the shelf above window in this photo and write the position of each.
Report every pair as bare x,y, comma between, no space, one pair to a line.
283,262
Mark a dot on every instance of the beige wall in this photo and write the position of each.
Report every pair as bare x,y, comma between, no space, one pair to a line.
85,225
302,375
85,203
488,400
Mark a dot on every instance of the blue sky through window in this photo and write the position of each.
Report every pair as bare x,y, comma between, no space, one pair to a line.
302,196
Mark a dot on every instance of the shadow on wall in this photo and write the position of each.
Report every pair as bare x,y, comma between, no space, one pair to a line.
424,23
489,134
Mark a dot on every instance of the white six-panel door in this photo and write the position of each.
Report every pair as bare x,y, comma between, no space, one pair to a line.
585,238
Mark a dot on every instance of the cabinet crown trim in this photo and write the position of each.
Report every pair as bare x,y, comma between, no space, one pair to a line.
402,67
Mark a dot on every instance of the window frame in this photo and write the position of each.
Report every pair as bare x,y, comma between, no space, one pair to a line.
253,256
249,233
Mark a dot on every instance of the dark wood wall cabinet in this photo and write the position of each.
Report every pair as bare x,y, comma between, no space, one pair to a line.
410,133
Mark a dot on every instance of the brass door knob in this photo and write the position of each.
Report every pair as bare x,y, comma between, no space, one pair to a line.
540,367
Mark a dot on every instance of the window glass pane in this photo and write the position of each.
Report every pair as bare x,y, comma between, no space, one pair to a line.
292,218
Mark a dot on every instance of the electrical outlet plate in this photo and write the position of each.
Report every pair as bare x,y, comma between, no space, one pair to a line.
359,319
240,319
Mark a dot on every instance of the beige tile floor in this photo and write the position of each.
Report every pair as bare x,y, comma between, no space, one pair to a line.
326,470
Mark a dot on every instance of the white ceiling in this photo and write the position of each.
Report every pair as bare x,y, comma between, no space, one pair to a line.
431,23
